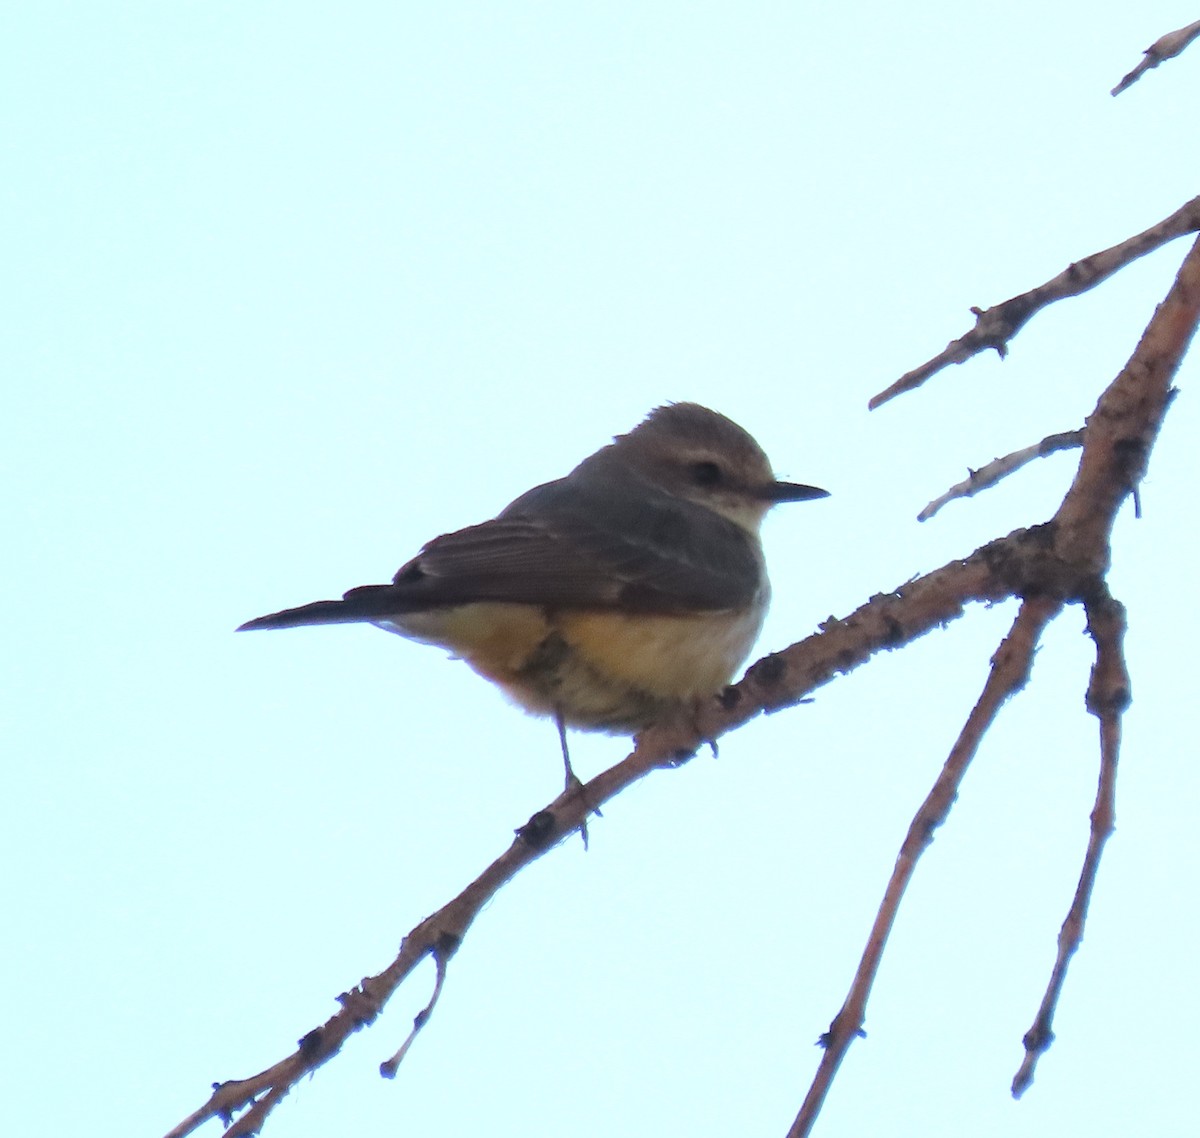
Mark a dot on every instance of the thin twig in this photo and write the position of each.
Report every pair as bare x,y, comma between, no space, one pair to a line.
441,956
999,468
1107,698
1010,671
1165,47
995,326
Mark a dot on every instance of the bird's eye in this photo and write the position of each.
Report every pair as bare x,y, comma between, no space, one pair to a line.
706,473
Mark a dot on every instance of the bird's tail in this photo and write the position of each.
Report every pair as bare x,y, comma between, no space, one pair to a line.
368,603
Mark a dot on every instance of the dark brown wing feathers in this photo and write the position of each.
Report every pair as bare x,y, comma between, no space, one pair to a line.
564,546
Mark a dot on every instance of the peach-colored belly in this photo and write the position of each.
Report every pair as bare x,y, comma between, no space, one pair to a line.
606,670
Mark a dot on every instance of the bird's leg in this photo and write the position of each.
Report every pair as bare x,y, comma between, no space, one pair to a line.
572,778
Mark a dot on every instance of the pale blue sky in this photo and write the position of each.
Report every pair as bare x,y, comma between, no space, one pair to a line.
293,288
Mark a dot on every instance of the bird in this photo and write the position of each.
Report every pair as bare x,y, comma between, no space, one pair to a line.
610,599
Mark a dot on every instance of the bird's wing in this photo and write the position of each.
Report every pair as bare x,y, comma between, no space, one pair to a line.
568,546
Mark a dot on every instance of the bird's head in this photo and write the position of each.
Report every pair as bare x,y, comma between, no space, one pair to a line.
697,454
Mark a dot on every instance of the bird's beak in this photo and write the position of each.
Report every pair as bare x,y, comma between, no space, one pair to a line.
790,492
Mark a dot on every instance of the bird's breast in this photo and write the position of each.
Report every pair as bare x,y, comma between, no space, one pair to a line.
671,657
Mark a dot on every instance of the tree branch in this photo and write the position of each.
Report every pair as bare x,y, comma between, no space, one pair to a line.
779,680
1118,438
995,326
1107,698
1011,666
1047,566
1000,468
1165,47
